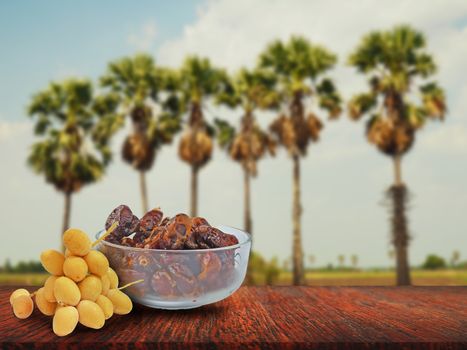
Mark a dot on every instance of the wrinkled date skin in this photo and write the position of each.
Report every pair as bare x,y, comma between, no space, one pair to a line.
147,223
199,221
146,262
150,220
163,284
185,280
128,242
127,223
128,260
210,267
211,237
175,233
165,259
152,242
171,236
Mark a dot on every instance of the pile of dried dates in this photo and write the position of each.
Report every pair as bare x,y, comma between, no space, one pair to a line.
153,231
169,274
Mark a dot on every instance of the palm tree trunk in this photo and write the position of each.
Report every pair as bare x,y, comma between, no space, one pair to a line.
297,253
66,217
397,171
247,204
144,191
194,190
247,219
400,238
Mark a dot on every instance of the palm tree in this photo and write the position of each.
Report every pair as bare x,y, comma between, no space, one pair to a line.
396,63
311,259
455,257
66,155
299,66
341,260
249,90
199,81
354,260
134,88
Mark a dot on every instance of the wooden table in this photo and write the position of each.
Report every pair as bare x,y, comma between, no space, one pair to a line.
270,318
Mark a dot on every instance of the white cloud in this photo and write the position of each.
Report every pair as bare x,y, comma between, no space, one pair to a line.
9,130
144,39
232,33
447,139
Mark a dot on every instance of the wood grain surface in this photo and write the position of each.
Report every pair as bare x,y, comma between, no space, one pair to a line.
270,318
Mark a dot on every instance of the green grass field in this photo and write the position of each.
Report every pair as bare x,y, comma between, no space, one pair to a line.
375,278
327,278
23,279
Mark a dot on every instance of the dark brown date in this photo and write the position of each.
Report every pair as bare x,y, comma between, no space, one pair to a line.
166,259
165,221
127,222
199,221
152,241
185,280
210,267
150,220
128,260
211,237
163,284
146,262
175,232
130,275
127,242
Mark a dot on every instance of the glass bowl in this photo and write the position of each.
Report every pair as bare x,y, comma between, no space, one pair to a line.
180,279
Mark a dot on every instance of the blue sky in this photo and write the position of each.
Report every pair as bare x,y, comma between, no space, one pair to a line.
343,176
43,40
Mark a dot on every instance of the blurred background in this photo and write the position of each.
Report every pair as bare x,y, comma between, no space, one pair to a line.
149,100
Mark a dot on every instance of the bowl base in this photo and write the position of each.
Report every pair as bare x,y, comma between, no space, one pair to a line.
184,304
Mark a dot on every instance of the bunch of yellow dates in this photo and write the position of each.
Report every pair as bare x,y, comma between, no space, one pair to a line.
82,288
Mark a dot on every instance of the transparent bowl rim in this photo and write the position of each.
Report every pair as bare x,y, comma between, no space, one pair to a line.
181,251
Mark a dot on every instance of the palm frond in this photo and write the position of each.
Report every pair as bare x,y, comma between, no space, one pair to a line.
329,98
434,100
361,104
225,133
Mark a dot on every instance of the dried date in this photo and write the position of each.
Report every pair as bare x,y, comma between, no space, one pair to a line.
127,222
163,284
175,232
127,242
210,267
199,221
150,220
153,232
211,237
165,221
129,275
184,278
